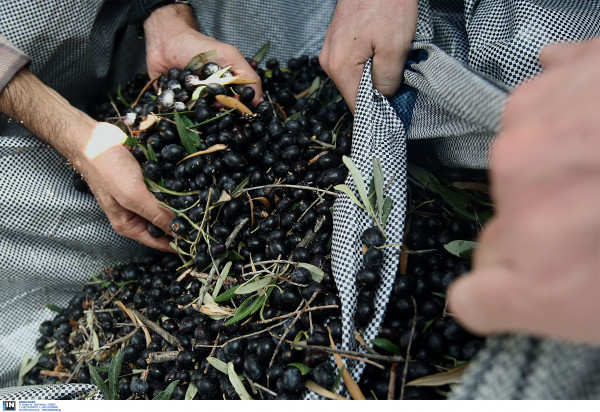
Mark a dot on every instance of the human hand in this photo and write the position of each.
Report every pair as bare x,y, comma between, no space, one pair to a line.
115,178
95,150
173,39
537,267
364,29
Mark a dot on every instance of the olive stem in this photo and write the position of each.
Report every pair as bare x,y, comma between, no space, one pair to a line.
316,189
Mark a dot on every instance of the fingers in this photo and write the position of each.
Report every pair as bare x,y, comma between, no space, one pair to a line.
135,227
487,301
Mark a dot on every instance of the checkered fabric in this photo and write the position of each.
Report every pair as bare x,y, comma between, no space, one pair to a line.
466,57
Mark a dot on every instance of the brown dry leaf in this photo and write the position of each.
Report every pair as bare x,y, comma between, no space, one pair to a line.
212,309
350,383
214,148
264,201
319,390
225,197
148,122
439,379
233,103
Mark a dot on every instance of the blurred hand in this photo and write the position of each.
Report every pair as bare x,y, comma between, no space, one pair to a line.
364,29
537,266
173,39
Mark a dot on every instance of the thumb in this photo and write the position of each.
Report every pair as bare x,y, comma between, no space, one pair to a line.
488,301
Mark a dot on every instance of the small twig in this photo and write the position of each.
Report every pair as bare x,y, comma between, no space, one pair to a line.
323,144
306,240
212,352
289,315
154,327
264,389
55,374
248,189
314,295
362,343
349,353
144,90
392,385
160,357
412,332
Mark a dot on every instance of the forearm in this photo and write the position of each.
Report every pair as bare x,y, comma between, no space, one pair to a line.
47,114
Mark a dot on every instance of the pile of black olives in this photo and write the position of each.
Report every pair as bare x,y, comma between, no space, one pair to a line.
250,286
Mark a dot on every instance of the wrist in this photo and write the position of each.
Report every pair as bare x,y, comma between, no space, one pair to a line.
48,115
142,10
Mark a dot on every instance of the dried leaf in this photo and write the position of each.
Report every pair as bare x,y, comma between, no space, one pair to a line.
264,201
233,103
439,379
319,390
147,122
350,383
212,309
214,148
221,278
200,60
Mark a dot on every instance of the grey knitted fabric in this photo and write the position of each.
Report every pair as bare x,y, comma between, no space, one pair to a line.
466,57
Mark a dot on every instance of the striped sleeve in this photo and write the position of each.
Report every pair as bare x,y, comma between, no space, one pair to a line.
11,61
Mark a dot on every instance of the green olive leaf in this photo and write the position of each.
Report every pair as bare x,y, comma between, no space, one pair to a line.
345,189
218,364
167,393
386,344
253,285
113,374
237,383
99,382
461,248
360,184
222,276
228,294
305,369
184,134
191,391
260,54
316,273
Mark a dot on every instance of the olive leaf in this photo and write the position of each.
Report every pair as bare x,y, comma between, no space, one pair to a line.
114,370
345,189
222,277
167,393
316,273
26,366
455,197
120,95
260,54
253,285
360,185
439,379
237,383
386,344
191,391
304,369
54,308
218,364
461,248
228,294
200,60
388,205
99,382
187,141
151,154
